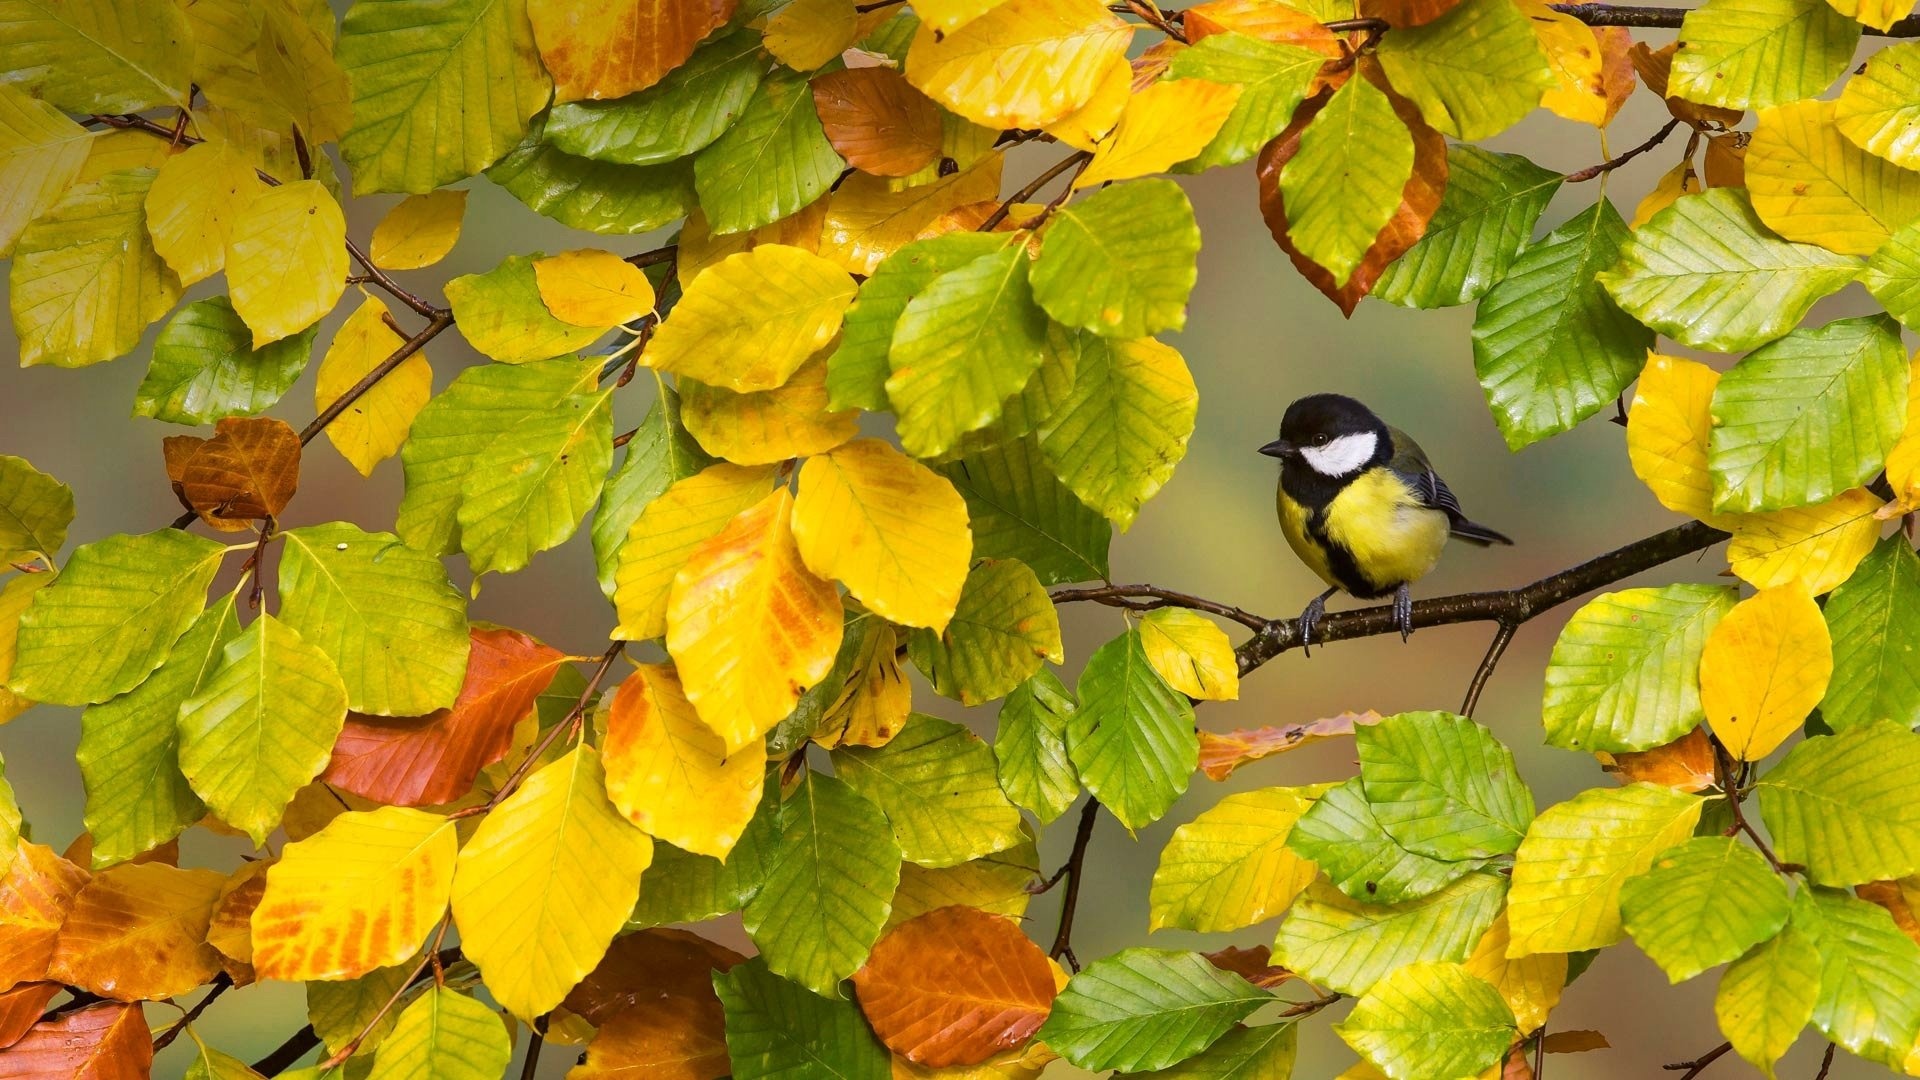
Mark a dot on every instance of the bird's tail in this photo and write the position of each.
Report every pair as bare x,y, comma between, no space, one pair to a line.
1474,533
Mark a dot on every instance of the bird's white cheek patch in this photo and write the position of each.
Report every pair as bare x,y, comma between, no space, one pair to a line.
1342,455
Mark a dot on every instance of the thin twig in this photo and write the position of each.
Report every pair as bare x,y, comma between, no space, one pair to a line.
220,984
435,958
1075,868
283,1056
1308,1008
1501,639
1825,1063
353,393
656,256
1000,213
1152,597
1699,1065
534,1042
1613,163
1723,771
379,277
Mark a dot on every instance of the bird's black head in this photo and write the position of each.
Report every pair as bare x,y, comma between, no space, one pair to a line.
1331,434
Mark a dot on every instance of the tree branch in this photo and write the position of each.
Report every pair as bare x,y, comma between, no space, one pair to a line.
1076,864
1699,1065
219,986
1611,164
1000,214
1501,639
1152,597
439,321
283,1056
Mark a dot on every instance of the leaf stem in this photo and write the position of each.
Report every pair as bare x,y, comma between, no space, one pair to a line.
1000,213
1605,167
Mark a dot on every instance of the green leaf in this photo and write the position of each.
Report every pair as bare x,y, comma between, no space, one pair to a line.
1121,261
35,510
1340,834
1116,439
1879,107
1748,54
211,1064
1443,786
1273,79
936,782
129,755
1766,997
110,619
1430,1020
660,453
1004,628
1703,903
441,89
773,161
683,887
1244,1053
1474,71
1549,346
205,367
1809,416
1708,274
1349,945
1893,275
85,282
1344,184
1485,217
1869,1001
828,888
1132,737
341,1010
104,56
529,489
597,196
1019,510
857,371
502,316
778,1030
1030,744
964,344
998,883
395,627
1142,1009
1625,672
1874,619
1842,805
444,1035
1231,866
678,115
261,726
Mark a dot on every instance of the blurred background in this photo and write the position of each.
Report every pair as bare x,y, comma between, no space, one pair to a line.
1257,336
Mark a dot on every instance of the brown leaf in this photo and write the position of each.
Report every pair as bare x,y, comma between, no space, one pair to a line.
1889,895
1654,65
1418,199
1576,1042
610,48
1686,764
101,1042
877,120
248,470
954,987
1254,965
20,1009
1221,754
231,931
1726,164
1405,12
138,931
677,1038
35,896
648,966
1616,68
80,852
1260,19
432,760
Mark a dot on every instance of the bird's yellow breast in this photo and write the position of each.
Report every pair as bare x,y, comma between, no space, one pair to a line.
1385,532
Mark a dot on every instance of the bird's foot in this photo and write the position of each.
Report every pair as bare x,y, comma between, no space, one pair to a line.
1403,611
1310,619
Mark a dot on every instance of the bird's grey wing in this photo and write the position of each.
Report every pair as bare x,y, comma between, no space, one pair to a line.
1411,464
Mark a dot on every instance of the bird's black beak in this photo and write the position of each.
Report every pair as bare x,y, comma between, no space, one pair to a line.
1279,448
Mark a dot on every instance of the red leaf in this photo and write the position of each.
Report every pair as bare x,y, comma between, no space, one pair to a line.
647,967
955,987
103,1042
1221,754
610,48
20,1009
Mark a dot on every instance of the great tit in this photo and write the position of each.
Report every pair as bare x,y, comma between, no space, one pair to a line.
1361,506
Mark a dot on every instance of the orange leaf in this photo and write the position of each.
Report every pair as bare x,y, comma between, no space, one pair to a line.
1654,65
648,966
609,48
1889,895
102,1042
1221,754
432,760
35,896
20,1009
877,120
138,931
1686,764
1616,68
248,470
954,987
675,1038
231,931
1253,965
1726,164
1264,20
1576,1042
1401,13
669,774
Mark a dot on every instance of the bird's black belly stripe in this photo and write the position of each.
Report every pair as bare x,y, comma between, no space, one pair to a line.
1340,561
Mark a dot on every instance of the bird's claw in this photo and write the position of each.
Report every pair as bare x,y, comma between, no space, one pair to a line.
1310,619
1403,611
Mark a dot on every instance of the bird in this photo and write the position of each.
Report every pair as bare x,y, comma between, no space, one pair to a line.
1362,506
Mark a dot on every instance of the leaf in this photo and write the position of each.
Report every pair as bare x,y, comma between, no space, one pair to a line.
1018,510
193,204
375,426
671,119
247,471
35,510
1023,63
204,367
678,1038
1625,671
286,259
660,454
1430,1020
21,1008
1192,654
1702,904
668,531
444,1034
1764,668
1530,985
1273,80
261,725
750,321
1766,997
604,52
669,774
1343,185
85,282
643,969
362,894
1142,1009
1748,54
1876,109
41,153
997,883
937,784
764,427
1030,746
1668,429
1443,786
1244,1053
744,592
1340,833
1868,977
1161,126
828,886
597,196
1350,945
36,894
340,1011
467,105
857,370
119,605
1686,764
773,161
231,931
1003,629
529,489
1705,272
100,1042
1870,617
877,121
1549,346
1117,437
418,231
1231,867
590,287
117,56
1473,72
15,596
1484,220
955,986
1132,737
1810,184
138,932
1568,872
1590,64
1836,805
1817,546
501,315
778,1029
545,883
1121,261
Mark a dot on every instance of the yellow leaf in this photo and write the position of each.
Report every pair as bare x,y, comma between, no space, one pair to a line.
1809,183
951,15
287,260
1087,125
875,701
1573,52
750,628
1230,867
1667,431
1879,14
15,596
1163,125
1675,182
866,222
672,776
548,879
667,532
297,69
807,33
373,428
1025,63
1817,546
419,231
1530,984
894,531
752,319
1191,653
768,426
700,248
231,931
1764,668
361,894
41,153
119,150
1576,857
592,288
192,204
139,932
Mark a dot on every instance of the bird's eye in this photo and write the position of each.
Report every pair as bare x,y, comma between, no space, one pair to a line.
1320,439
